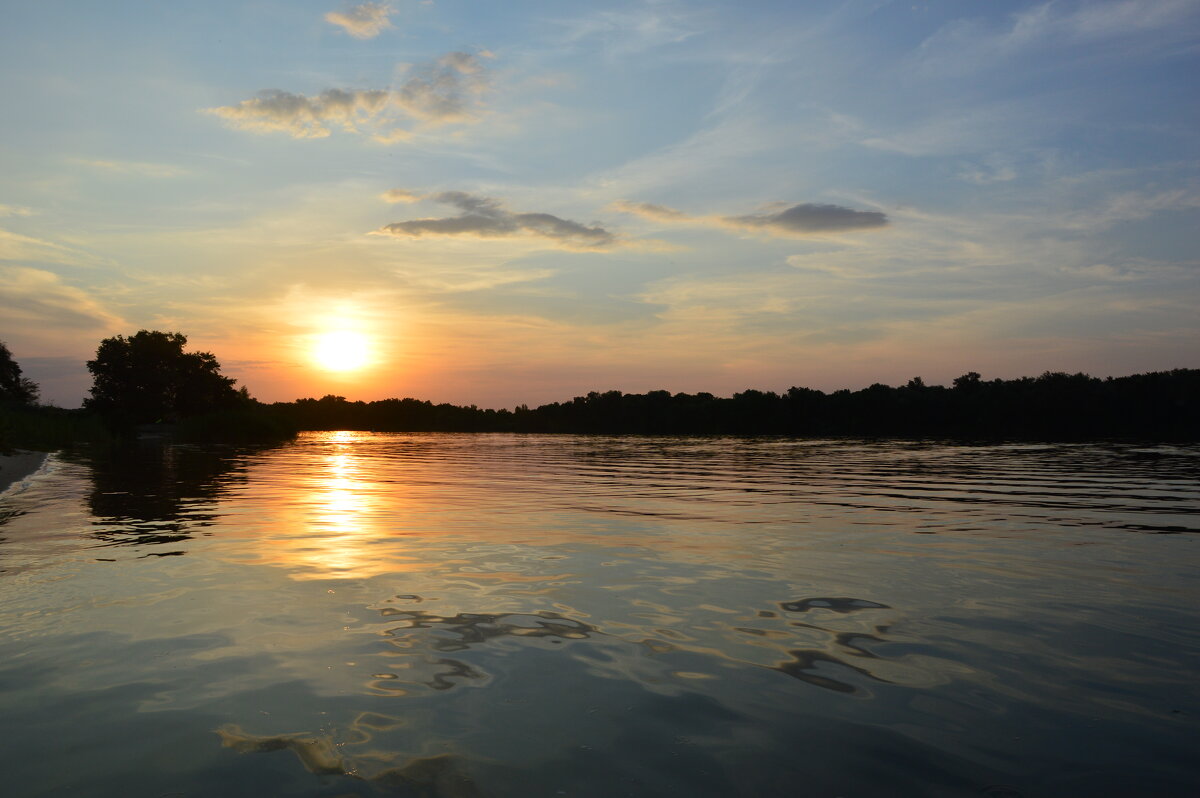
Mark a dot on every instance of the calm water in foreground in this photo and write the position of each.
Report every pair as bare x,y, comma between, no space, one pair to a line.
493,615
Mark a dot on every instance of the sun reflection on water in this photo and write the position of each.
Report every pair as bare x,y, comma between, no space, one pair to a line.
343,517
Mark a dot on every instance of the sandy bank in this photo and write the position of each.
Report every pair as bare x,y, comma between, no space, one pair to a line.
18,465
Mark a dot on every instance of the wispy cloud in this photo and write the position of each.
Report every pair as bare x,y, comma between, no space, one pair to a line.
1101,272
720,152
17,247
139,168
1125,17
803,219
395,195
968,44
1125,206
363,21
648,210
38,297
15,210
633,30
975,129
484,217
444,91
992,170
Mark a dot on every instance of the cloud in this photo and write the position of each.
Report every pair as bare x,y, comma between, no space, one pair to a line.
797,220
142,168
15,210
1129,206
1099,271
644,28
972,129
1127,17
363,21
484,217
1125,27
647,210
440,92
807,218
721,153
986,174
17,247
399,195
305,117
36,297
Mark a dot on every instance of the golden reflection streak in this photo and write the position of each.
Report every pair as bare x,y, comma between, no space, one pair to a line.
340,521
343,522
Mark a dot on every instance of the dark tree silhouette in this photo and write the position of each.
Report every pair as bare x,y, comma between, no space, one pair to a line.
14,387
147,378
1161,405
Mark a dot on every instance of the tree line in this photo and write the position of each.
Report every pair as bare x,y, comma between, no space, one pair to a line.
1054,405
149,379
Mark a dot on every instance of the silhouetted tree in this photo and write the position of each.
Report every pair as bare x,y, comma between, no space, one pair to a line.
967,382
148,377
14,387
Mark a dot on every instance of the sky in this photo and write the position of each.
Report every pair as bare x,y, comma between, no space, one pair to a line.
521,202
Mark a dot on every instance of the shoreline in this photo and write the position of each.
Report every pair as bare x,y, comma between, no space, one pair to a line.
18,465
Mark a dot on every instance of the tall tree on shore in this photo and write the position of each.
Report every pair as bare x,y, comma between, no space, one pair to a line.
14,387
147,378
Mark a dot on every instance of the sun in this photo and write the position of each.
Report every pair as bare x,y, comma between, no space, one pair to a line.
341,350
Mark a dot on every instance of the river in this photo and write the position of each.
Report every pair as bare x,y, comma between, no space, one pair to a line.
503,615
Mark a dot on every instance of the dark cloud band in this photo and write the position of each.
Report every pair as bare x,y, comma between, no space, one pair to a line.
804,219
808,218
484,217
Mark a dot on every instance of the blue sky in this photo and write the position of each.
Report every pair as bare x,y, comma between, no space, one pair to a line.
521,202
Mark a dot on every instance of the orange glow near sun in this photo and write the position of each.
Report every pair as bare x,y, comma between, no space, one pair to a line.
341,350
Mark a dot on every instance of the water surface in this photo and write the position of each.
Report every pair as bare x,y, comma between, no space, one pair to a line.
494,615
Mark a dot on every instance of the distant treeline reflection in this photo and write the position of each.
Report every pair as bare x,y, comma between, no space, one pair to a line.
1055,405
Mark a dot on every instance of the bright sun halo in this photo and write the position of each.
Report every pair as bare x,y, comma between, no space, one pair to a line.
341,351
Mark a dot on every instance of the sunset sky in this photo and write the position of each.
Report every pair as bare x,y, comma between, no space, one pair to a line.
511,202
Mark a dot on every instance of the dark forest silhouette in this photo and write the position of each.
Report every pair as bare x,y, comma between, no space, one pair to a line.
148,379
1055,405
